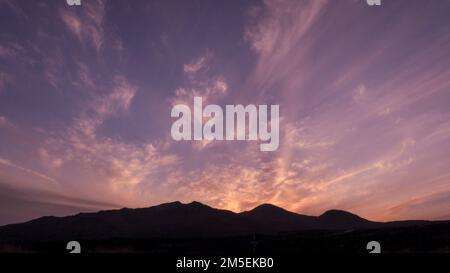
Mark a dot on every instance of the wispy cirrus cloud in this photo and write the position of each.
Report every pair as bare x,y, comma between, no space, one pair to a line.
87,27
281,25
113,166
421,206
200,83
43,177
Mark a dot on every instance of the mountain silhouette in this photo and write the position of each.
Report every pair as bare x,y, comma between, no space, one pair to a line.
177,220
339,219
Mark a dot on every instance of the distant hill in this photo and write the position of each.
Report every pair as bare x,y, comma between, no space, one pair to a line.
177,220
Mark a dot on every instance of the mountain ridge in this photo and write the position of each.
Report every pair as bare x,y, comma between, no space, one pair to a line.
178,220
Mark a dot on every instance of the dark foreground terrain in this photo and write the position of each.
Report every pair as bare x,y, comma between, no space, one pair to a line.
194,228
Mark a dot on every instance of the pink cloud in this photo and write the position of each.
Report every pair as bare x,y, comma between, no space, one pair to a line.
89,25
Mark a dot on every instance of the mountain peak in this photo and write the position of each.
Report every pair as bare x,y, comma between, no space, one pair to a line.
339,213
179,205
196,203
267,206
343,219
269,211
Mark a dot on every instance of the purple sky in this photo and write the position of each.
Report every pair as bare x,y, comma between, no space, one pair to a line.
364,94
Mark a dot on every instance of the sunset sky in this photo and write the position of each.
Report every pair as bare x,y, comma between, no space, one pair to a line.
364,92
